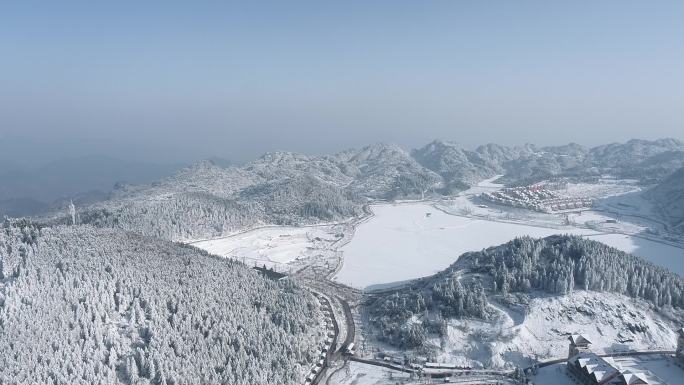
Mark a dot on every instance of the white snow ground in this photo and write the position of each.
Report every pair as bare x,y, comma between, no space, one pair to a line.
402,242
274,246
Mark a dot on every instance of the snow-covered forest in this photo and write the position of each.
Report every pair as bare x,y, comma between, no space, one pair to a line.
553,265
80,305
559,264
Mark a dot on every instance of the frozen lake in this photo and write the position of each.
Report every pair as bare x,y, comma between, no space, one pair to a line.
403,242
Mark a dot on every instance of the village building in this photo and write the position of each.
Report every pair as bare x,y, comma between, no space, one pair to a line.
588,368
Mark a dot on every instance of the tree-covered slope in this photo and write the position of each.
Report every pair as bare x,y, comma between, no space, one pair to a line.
554,265
206,200
80,305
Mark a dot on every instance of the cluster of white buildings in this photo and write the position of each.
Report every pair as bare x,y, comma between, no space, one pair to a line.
536,198
585,367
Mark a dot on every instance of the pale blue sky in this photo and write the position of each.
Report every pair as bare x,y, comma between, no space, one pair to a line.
175,81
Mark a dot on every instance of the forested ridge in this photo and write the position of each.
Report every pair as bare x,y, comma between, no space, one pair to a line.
560,264
80,305
206,200
555,265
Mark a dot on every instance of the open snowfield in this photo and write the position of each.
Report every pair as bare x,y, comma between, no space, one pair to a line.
276,245
403,242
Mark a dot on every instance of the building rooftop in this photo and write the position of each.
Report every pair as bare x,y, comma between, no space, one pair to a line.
634,378
579,339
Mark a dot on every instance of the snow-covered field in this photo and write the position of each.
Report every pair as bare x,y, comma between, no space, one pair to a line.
273,246
412,240
402,242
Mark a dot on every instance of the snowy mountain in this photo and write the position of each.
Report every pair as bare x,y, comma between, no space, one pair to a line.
633,152
207,200
668,197
461,168
386,172
80,305
646,161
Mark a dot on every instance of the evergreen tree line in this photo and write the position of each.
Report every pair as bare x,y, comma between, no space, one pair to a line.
561,264
193,215
555,265
395,315
81,305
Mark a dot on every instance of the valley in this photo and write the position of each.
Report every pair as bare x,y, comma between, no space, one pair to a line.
342,193
439,263
399,242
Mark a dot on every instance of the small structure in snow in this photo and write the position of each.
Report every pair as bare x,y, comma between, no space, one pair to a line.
578,344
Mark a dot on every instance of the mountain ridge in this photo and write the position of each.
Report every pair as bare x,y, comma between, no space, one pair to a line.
205,199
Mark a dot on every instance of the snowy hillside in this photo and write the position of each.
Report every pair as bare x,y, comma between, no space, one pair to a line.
533,282
463,168
206,200
80,305
647,161
668,197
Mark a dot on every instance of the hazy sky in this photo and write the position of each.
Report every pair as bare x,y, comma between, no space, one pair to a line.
176,81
